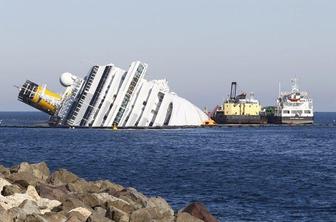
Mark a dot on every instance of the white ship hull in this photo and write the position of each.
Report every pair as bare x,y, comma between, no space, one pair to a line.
112,97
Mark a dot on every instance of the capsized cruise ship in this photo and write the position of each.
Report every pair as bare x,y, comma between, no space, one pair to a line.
110,96
294,107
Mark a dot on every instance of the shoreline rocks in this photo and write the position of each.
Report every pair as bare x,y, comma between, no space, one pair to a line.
31,193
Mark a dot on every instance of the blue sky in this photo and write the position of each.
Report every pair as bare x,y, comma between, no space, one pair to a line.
198,46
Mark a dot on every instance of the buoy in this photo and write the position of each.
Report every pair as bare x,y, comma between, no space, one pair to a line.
114,126
209,122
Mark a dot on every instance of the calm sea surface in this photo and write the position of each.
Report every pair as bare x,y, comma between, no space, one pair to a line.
276,173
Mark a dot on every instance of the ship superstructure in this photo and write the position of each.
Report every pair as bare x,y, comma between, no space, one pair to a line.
294,107
110,96
238,109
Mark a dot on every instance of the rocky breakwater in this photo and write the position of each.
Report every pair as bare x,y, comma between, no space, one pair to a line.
30,193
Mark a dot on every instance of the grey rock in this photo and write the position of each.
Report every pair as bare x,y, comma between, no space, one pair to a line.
61,177
108,187
29,207
133,197
198,210
3,182
35,218
141,215
80,213
71,202
117,215
52,192
82,186
11,189
15,214
54,217
121,205
23,179
5,216
97,217
150,214
89,199
186,217
45,205
161,204
4,171
38,170
111,201
75,217
100,210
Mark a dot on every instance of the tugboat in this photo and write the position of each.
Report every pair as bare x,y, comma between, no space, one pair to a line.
238,109
295,107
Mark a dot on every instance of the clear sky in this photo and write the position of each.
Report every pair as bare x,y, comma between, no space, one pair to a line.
198,46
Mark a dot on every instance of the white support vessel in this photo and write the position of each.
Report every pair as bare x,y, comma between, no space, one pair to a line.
295,107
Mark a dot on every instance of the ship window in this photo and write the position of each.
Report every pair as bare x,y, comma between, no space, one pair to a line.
286,111
168,114
307,111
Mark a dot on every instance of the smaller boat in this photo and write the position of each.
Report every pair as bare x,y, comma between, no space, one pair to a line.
294,107
239,109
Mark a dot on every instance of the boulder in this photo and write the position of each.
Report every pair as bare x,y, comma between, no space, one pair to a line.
97,217
121,205
150,214
111,201
61,177
116,214
12,201
14,214
5,216
200,211
133,197
35,218
186,217
4,171
52,192
82,186
108,187
11,189
141,215
80,213
89,199
54,217
100,211
3,182
38,170
161,204
75,217
71,202
29,207
23,179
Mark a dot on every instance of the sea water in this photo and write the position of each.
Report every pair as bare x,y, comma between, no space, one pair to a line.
273,173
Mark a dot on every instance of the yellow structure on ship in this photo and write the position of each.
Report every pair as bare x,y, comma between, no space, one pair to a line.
39,97
241,108
238,109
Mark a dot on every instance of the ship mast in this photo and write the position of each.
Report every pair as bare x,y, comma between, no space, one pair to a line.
295,87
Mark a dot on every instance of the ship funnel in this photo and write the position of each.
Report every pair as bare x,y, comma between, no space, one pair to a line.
233,92
39,97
